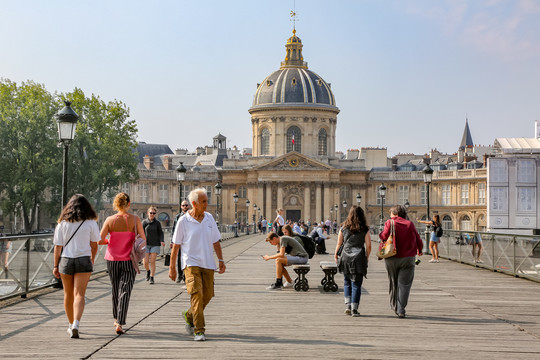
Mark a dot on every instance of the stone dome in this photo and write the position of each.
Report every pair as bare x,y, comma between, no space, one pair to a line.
293,84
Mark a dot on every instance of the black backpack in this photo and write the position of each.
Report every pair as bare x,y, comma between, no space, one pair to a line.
439,231
307,243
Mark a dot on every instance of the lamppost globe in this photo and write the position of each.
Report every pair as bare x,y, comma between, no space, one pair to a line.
407,205
358,199
217,189
344,204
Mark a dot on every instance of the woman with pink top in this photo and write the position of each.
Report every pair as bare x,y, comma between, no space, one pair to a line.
121,228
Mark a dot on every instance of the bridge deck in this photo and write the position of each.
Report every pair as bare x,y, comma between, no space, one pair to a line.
455,311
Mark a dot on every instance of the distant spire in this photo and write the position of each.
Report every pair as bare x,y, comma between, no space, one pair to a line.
466,140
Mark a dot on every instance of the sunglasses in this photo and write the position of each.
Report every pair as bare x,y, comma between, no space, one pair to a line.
152,213
184,205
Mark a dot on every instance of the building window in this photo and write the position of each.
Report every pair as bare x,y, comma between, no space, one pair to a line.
322,142
403,194
526,170
265,141
464,194
143,193
125,188
465,223
498,199
164,219
345,193
163,193
186,189
242,192
482,194
526,199
209,189
498,170
447,222
446,191
423,195
294,139
242,217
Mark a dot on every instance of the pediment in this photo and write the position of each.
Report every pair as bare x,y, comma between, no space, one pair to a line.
294,161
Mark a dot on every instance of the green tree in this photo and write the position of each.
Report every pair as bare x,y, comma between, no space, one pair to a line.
28,151
101,155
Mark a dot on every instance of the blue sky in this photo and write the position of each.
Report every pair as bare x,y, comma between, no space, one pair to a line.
405,74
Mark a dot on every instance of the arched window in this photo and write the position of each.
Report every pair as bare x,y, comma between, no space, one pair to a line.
164,219
294,139
447,222
465,223
265,142
322,142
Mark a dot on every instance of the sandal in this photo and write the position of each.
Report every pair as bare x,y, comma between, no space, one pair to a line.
119,329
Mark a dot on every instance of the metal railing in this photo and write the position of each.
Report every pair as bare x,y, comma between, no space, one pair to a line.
516,255
30,262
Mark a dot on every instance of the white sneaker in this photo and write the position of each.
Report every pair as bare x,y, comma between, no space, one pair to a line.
199,337
287,284
188,326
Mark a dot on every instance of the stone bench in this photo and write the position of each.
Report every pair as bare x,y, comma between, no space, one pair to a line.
330,269
301,283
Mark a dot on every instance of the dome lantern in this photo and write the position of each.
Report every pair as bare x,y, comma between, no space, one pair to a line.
293,57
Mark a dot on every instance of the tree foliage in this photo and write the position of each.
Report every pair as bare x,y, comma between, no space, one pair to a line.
101,156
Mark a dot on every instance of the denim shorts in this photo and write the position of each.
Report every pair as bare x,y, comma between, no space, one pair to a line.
434,237
3,246
296,260
153,249
70,266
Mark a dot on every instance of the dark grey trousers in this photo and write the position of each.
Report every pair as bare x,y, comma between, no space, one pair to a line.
400,277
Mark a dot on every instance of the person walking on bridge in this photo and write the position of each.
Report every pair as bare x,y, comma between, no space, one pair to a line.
196,237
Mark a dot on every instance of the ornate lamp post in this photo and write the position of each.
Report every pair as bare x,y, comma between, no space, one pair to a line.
428,177
254,218
217,191
344,209
247,216
180,176
331,212
382,193
67,122
358,199
407,205
235,198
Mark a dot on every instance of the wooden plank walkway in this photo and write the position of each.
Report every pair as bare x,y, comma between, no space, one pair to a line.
455,311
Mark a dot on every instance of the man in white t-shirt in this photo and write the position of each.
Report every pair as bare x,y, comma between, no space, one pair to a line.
197,236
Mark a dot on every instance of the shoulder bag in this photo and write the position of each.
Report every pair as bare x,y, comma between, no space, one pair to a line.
388,248
138,251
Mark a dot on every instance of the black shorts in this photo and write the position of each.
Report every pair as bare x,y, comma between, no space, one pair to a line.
70,266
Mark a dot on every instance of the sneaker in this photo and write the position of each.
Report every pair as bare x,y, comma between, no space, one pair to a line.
151,280
287,284
479,261
436,261
355,313
75,333
199,337
274,287
401,315
432,260
189,326
147,275
347,311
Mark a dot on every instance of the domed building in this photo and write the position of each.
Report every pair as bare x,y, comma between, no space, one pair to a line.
294,109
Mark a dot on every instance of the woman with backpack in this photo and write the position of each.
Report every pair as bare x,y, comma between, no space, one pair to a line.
436,230
122,229
352,258
75,238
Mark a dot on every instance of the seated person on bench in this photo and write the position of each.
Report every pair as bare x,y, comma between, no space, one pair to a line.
297,255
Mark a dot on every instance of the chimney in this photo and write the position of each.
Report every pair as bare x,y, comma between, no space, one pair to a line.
167,163
394,163
148,162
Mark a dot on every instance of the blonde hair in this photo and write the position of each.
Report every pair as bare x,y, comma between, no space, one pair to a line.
279,210
121,201
152,207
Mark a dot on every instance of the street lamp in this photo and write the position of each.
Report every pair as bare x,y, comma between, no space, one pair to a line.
217,191
382,193
67,122
344,209
247,216
358,199
254,218
407,205
235,198
428,177
180,176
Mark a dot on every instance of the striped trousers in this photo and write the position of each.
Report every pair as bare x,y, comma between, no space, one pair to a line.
122,275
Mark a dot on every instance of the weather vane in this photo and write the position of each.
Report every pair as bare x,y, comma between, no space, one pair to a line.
294,16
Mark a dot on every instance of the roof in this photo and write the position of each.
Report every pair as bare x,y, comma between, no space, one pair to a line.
466,140
518,145
152,150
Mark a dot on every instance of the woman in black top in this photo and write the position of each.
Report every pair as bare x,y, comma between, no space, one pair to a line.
154,241
434,239
353,260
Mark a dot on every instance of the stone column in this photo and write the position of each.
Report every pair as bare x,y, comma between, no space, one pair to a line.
280,195
318,194
307,201
260,198
326,201
269,202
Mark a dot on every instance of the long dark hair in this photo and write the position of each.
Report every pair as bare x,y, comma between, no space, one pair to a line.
356,220
78,208
437,220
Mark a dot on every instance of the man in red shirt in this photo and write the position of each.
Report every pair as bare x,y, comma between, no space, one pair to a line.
400,267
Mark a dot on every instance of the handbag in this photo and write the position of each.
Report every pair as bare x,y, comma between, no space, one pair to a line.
388,248
167,261
138,251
